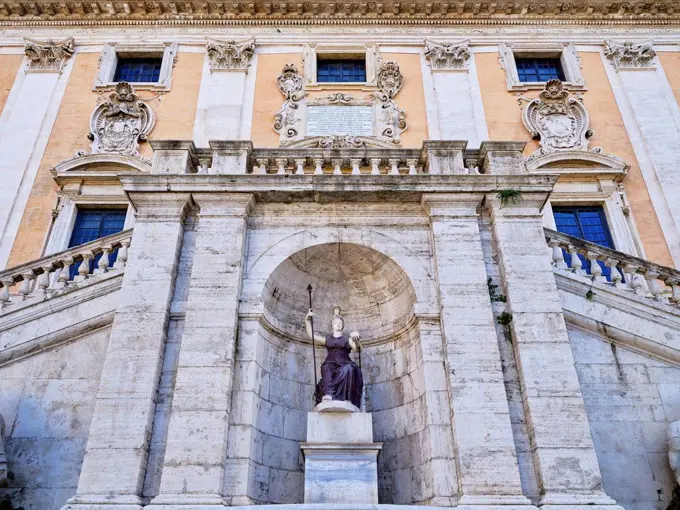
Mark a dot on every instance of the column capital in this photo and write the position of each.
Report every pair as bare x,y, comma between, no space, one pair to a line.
237,205
451,205
515,203
155,206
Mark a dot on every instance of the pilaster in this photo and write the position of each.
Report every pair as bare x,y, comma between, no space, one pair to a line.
221,96
193,469
564,456
124,409
487,468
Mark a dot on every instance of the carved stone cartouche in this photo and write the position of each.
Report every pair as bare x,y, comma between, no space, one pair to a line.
118,124
559,121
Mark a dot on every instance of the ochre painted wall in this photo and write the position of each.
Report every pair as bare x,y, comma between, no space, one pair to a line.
268,98
504,121
9,67
671,66
175,113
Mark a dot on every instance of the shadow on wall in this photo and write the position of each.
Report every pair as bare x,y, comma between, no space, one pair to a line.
274,374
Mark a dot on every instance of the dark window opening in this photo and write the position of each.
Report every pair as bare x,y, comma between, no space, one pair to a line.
93,224
534,69
587,223
341,70
138,70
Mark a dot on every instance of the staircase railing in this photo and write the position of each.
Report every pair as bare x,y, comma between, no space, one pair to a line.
60,272
588,260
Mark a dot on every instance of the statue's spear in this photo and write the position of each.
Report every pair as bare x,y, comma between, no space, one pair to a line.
311,320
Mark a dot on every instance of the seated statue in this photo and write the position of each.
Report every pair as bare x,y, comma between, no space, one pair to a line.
341,378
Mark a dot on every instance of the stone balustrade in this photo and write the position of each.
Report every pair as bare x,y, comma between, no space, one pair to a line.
233,157
63,271
599,264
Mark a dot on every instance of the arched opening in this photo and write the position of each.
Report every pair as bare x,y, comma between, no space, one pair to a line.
377,298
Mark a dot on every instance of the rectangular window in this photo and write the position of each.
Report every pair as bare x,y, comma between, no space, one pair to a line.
93,224
138,70
331,70
537,69
587,223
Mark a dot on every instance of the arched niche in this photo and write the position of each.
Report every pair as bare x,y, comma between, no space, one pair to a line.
274,372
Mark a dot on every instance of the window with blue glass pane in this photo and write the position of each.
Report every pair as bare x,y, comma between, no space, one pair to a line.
138,70
587,223
532,69
341,71
93,224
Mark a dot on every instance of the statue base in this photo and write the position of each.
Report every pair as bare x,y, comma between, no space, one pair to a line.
341,459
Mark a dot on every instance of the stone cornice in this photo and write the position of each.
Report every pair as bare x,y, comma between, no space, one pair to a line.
165,12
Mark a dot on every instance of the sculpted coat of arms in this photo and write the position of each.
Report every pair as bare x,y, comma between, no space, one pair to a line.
560,122
118,124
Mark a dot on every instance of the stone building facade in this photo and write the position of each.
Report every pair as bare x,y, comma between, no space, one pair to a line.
489,191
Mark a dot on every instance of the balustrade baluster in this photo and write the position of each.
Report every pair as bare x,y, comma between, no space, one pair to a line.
375,166
299,167
674,284
356,163
65,273
4,291
557,255
26,286
281,166
394,166
336,163
84,268
635,280
103,264
595,268
122,257
575,260
412,166
652,277
43,281
318,166
614,272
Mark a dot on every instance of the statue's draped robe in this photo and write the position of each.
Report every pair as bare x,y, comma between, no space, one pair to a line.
340,376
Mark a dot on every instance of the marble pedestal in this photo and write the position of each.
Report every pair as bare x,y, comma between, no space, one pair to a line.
341,459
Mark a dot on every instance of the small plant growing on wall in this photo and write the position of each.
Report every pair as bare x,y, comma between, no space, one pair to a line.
509,196
504,319
493,292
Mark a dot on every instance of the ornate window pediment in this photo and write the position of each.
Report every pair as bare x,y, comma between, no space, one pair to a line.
387,121
558,121
122,121
48,56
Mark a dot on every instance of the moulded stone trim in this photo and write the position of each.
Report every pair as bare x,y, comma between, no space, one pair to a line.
108,61
571,64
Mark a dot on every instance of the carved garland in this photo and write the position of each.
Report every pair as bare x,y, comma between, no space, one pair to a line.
48,56
560,122
447,56
230,55
630,55
118,124
389,118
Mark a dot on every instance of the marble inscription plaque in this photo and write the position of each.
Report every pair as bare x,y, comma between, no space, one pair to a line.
339,120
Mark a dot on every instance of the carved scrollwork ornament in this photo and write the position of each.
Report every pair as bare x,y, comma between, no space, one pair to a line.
447,56
629,54
287,120
290,83
122,121
230,55
48,56
558,121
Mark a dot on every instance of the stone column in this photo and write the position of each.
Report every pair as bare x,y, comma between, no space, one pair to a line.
27,122
124,409
564,457
221,96
193,469
488,472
